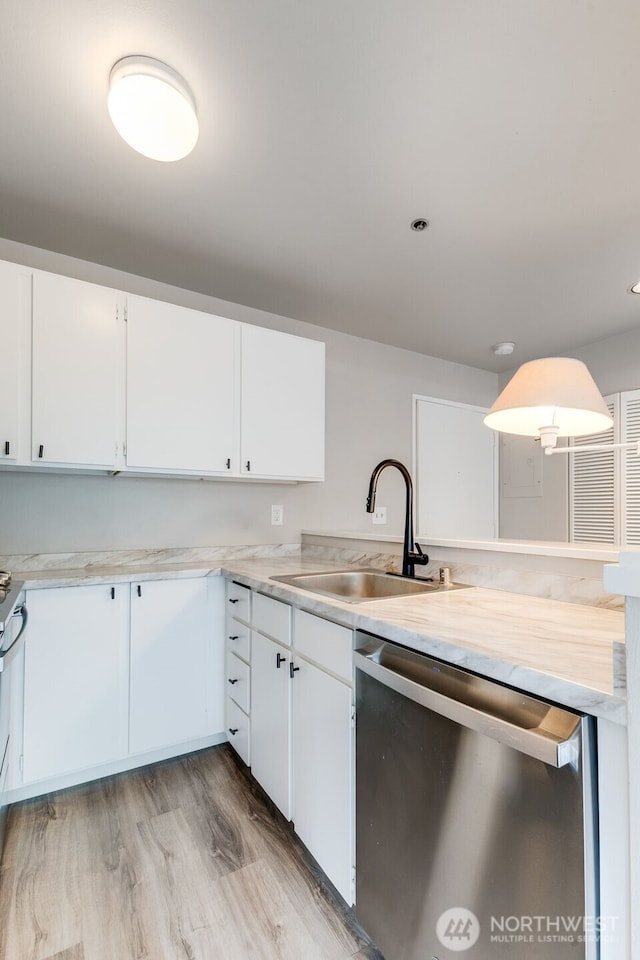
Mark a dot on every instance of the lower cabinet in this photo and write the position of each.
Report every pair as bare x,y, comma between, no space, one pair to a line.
271,719
118,670
171,676
75,679
299,720
323,771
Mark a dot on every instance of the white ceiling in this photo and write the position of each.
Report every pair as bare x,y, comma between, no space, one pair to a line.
327,126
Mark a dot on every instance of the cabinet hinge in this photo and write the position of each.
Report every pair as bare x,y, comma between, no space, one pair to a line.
353,716
125,314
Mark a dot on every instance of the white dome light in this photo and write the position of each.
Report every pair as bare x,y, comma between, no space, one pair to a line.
152,108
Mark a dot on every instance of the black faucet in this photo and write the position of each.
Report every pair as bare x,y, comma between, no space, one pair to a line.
409,558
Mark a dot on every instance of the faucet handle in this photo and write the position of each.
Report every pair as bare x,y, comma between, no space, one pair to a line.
419,556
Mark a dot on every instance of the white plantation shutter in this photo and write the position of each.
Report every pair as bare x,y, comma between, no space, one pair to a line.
630,492
594,509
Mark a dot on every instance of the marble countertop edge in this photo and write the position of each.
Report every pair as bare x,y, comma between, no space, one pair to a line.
397,621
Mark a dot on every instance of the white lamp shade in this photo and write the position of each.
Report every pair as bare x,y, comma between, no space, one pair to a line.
555,392
152,108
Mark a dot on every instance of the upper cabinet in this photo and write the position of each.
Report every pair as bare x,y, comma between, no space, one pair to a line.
181,389
75,366
15,286
101,380
282,405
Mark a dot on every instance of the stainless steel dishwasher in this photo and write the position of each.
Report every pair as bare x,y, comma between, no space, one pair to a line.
476,823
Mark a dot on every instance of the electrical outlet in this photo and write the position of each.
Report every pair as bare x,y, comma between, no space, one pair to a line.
380,515
277,514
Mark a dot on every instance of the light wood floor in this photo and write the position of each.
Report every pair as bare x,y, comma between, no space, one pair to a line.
183,860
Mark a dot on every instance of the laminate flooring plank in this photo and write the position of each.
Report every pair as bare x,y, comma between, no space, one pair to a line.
269,923
35,921
177,895
267,836
113,926
180,860
73,953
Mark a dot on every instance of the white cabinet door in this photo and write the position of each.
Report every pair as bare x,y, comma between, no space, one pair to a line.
271,719
282,408
15,290
182,388
172,693
76,370
323,771
75,682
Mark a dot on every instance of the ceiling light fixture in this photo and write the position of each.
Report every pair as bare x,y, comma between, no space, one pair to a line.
152,108
504,348
551,398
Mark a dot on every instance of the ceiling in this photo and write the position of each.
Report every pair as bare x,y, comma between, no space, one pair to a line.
327,126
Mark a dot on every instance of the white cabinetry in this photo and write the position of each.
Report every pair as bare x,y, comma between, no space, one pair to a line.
182,376
301,723
76,363
187,392
172,695
75,682
271,699
15,288
114,675
282,405
323,795
238,671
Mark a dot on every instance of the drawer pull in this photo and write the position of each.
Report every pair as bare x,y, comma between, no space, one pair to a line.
228,462
280,660
233,731
7,448
234,638
113,593
232,681
292,669
233,599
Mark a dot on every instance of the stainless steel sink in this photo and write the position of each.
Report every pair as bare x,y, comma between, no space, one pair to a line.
356,586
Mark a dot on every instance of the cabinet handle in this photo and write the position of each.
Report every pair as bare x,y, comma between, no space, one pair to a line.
280,660
234,638
292,669
41,451
232,681
113,593
233,731
7,448
248,466
139,590
228,463
233,599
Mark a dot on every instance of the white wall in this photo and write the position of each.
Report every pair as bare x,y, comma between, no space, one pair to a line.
369,410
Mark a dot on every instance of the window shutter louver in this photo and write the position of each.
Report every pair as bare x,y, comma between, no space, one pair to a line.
630,493
593,478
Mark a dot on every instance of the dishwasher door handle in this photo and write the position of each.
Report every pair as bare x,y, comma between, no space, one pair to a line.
538,742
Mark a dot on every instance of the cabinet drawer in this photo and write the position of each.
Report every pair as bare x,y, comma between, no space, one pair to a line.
327,644
237,639
272,617
239,601
238,681
238,728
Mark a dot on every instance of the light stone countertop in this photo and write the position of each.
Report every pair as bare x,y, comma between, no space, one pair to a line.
561,651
